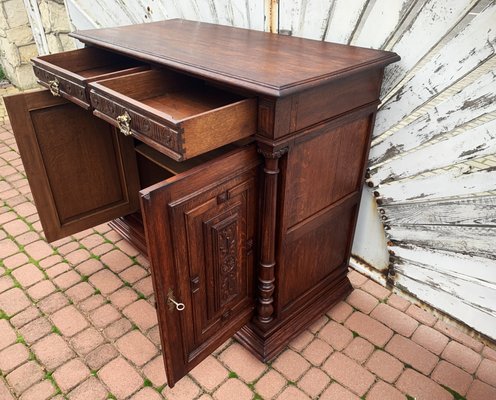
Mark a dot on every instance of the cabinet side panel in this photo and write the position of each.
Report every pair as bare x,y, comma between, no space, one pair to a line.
322,185
324,169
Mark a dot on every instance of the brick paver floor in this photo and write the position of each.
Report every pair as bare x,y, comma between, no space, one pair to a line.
77,321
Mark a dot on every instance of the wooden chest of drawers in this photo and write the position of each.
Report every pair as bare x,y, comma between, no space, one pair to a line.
233,159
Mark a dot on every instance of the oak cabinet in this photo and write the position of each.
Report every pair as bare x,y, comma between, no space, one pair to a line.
233,159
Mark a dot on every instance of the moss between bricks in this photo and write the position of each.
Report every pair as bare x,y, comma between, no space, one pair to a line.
454,393
147,383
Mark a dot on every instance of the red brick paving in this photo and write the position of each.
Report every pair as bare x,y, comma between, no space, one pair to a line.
421,387
238,359
71,374
448,375
462,356
481,391
336,335
430,338
210,373
155,371
74,323
121,378
348,373
369,328
382,391
291,365
411,353
395,319
314,382
359,349
270,384
40,391
7,334
362,301
336,392
317,351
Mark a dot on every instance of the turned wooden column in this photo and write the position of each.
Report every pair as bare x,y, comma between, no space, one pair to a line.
266,272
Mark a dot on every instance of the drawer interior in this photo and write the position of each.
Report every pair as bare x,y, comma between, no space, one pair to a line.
88,64
155,167
175,95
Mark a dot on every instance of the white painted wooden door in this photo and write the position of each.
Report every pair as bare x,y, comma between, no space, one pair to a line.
107,13
428,220
432,162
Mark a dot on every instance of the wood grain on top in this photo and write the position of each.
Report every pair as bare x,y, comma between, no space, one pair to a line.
268,63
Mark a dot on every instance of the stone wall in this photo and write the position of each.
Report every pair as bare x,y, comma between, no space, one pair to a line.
17,44
56,25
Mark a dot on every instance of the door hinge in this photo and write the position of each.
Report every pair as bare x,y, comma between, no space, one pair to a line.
195,284
249,246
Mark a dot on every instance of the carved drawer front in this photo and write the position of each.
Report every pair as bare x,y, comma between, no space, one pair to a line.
179,116
200,228
67,74
163,137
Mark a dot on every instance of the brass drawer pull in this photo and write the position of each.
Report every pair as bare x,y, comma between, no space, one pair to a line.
124,122
54,87
173,303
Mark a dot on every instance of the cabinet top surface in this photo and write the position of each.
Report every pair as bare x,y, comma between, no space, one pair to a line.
267,63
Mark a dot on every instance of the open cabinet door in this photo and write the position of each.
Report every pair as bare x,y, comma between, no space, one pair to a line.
200,229
80,170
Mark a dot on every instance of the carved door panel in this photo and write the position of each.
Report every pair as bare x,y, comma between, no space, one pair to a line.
80,170
200,228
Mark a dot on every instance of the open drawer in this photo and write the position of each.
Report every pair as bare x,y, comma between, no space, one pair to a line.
67,74
178,115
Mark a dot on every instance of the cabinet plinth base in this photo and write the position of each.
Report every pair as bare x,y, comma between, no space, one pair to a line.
267,345
130,227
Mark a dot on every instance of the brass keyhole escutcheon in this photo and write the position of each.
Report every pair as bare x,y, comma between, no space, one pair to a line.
124,122
53,85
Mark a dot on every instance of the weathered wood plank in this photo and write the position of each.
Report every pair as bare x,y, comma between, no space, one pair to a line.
453,183
479,210
469,267
256,14
470,240
98,14
460,55
304,18
345,16
240,13
480,295
289,16
107,13
433,22
187,9
474,100
206,11
33,11
384,18
470,144
370,242
480,320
